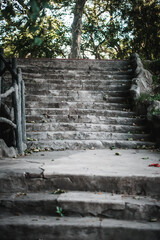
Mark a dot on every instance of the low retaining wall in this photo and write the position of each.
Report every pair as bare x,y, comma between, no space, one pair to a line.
142,83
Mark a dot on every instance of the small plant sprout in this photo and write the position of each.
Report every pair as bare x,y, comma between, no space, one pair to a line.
59,211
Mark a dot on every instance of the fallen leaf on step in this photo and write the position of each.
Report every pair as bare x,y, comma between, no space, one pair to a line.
153,220
117,153
154,165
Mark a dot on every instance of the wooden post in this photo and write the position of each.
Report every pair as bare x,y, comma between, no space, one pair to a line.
1,77
17,108
23,115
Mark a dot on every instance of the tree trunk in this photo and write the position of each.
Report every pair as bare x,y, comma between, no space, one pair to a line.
77,29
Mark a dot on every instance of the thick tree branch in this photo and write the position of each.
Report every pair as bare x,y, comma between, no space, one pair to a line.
5,120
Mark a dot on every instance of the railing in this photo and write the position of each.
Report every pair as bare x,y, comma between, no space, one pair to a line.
16,112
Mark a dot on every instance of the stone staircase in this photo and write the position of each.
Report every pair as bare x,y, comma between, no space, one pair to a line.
80,194
81,104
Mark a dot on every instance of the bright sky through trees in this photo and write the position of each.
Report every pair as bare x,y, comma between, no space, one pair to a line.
110,29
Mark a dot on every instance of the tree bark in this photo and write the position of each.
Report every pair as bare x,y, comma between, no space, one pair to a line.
77,29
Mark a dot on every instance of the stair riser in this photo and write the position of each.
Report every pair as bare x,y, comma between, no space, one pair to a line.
83,127
119,185
63,231
77,82
80,112
61,145
85,119
42,207
83,95
73,64
73,77
55,99
76,105
30,87
86,136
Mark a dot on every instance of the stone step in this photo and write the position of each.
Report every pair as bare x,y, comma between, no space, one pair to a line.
48,112
85,119
71,228
53,77
82,204
58,145
77,71
55,99
74,64
76,105
81,94
83,170
86,79
86,127
77,81
80,135
72,86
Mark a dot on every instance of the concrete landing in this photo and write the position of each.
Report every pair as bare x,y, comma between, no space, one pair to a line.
116,171
108,162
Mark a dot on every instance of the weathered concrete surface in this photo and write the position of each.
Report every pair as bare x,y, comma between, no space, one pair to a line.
97,184
81,204
39,227
6,151
86,170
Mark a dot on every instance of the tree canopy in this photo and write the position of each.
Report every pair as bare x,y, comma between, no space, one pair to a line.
99,29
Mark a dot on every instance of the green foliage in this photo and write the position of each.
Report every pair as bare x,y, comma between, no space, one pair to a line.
29,32
59,210
156,112
154,68
148,97
111,29
58,191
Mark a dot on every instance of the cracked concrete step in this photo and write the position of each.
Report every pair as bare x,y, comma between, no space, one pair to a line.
79,94
47,98
82,204
85,119
37,227
84,127
75,105
80,135
72,86
81,112
83,170
90,144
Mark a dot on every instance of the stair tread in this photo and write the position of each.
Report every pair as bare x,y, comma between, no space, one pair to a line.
35,220
80,196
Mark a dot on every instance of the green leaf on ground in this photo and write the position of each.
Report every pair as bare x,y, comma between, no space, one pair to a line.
59,211
58,191
117,153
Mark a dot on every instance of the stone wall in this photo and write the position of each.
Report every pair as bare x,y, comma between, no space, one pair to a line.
142,83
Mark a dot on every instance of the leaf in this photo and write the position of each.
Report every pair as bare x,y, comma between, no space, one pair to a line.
153,220
59,211
130,139
58,191
38,41
117,153
145,158
112,147
36,150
